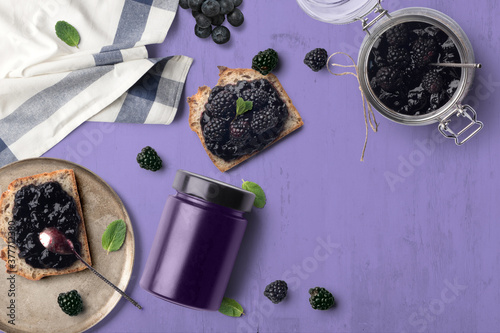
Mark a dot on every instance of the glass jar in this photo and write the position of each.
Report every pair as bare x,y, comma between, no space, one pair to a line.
347,11
196,243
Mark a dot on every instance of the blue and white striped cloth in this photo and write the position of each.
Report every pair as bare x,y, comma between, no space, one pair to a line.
47,88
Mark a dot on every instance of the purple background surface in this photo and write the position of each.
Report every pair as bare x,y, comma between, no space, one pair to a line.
419,253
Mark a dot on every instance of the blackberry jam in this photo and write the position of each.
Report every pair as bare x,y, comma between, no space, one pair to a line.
229,136
400,73
39,207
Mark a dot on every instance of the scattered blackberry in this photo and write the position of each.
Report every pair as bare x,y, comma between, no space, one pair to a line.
226,6
398,57
276,291
433,82
184,4
71,302
210,8
316,59
218,19
265,61
222,105
424,51
202,32
263,121
389,78
195,5
216,129
202,21
221,35
235,18
240,128
148,159
259,97
321,299
397,35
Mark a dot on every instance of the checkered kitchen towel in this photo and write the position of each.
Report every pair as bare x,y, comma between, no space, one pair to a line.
47,88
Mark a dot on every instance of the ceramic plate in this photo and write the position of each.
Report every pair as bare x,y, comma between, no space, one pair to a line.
36,308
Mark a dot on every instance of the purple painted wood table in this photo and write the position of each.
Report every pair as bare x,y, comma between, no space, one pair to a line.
407,241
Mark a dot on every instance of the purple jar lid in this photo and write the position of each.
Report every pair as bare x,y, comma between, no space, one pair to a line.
213,191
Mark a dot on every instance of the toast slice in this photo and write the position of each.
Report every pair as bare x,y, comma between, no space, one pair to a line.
232,76
66,178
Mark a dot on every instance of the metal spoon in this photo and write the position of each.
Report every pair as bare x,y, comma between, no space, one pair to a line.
456,65
55,241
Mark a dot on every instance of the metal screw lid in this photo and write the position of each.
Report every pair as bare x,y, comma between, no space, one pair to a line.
213,191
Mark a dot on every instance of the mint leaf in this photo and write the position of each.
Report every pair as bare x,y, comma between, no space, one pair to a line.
231,308
243,106
114,236
67,33
260,196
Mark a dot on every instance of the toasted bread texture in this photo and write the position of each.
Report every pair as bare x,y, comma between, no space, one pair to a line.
232,76
66,178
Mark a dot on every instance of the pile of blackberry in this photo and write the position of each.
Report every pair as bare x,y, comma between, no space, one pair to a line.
208,13
229,136
399,70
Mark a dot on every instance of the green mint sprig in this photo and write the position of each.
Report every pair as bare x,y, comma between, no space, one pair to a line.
243,106
114,236
231,308
260,196
67,33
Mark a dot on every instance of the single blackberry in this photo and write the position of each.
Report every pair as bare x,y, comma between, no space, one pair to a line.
397,36
222,105
221,35
216,129
226,6
321,299
214,92
398,57
202,32
218,19
236,18
389,78
184,4
240,128
316,59
265,61
148,159
71,302
202,21
259,97
433,82
210,8
276,291
237,2
424,51
263,121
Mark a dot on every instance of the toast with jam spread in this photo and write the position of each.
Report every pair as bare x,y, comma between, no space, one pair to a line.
32,204
229,137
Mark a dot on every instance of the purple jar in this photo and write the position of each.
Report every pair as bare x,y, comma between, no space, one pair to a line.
197,240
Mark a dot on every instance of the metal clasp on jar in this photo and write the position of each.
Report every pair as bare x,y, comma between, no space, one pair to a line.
381,13
464,111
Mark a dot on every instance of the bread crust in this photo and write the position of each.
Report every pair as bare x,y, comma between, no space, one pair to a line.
232,76
67,179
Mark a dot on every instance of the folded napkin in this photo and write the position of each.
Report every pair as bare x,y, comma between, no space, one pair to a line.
47,88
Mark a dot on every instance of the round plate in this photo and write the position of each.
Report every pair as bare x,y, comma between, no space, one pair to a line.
36,308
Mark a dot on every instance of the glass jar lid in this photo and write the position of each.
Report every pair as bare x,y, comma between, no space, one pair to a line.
338,11
213,191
